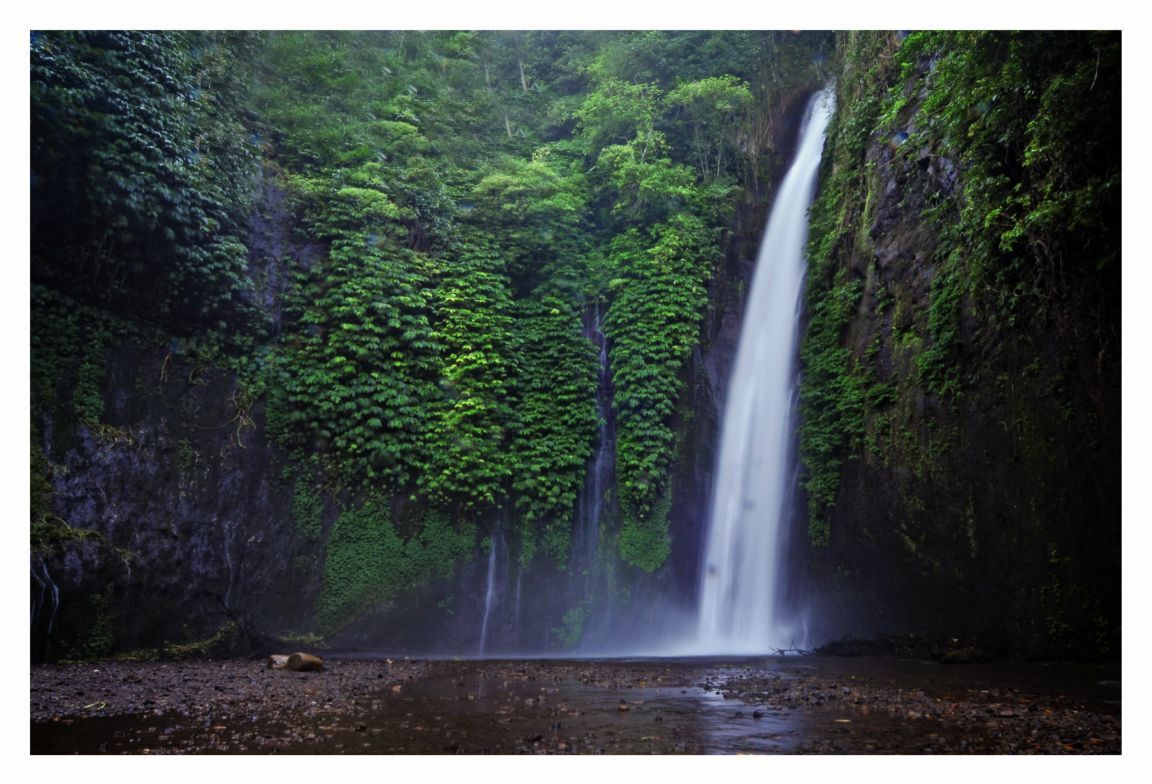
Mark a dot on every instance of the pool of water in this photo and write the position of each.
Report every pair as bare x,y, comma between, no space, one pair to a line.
686,706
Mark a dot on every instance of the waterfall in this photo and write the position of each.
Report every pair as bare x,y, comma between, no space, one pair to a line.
588,582
516,625
489,595
739,582
590,505
48,590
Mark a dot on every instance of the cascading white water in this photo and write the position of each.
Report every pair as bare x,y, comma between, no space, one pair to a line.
591,502
489,596
740,575
588,587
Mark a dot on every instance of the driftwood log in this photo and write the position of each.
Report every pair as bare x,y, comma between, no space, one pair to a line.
305,662
298,662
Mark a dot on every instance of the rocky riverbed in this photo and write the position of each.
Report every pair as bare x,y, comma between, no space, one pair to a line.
797,704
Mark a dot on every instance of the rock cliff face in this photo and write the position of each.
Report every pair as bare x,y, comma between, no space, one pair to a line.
174,517
975,487
187,516
960,421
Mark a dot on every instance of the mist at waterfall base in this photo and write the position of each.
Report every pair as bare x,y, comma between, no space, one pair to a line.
505,609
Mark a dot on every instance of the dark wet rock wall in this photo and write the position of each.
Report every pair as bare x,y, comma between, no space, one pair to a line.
980,500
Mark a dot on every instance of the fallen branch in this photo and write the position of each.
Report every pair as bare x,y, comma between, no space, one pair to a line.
792,651
259,642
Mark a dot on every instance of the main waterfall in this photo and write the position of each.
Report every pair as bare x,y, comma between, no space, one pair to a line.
741,573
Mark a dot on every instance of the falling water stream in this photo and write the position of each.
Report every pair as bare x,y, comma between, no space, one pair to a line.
489,595
740,578
591,503
592,498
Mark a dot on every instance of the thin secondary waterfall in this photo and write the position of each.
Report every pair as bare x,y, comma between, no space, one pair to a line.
740,578
489,595
591,501
589,591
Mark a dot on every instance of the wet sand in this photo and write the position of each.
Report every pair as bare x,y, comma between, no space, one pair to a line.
764,705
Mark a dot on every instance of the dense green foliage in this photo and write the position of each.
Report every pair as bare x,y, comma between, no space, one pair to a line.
661,296
664,222
141,174
355,381
308,511
436,349
459,203
1034,122
555,422
475,330
368,561
141,182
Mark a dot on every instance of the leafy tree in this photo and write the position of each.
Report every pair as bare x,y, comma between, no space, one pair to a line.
617,112
713,109
538,215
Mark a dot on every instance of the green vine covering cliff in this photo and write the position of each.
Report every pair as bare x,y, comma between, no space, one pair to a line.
962,357
142,174
409,334
832,395
369,562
